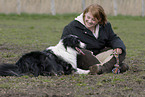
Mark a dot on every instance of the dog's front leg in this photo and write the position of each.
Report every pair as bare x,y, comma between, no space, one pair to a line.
80,71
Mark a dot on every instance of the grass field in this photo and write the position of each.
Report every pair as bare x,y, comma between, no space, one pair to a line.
20,34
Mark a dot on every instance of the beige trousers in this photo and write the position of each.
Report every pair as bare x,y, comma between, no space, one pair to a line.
104,57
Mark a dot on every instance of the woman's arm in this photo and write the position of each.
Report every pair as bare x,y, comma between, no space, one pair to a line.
114,41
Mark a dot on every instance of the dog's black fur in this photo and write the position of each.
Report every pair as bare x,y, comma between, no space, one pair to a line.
37,63
44,63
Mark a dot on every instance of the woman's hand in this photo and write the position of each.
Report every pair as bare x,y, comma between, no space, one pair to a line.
118,50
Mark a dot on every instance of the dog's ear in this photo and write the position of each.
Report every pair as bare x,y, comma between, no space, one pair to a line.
66,42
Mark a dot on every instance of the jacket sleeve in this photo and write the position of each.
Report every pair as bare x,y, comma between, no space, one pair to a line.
114,41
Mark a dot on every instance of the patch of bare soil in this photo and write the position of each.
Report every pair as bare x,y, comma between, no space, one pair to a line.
128,84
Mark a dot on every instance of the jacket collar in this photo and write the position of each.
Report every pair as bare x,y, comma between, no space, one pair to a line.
86,31
80,19
79,25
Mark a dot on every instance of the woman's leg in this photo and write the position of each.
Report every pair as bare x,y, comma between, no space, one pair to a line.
87,60
102,63
108,61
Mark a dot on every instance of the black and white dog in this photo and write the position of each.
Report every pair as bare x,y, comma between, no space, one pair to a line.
55,60
68,49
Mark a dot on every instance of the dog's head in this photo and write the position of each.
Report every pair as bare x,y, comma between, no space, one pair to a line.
73,42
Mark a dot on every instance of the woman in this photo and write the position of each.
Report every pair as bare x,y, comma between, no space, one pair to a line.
93,29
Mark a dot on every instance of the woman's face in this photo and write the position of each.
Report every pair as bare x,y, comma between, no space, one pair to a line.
90,21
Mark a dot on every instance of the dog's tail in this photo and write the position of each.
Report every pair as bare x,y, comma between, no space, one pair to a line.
9,70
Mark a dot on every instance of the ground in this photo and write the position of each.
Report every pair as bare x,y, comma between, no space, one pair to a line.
21,34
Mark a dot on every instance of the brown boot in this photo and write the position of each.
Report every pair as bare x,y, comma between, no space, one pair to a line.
123,67
95,69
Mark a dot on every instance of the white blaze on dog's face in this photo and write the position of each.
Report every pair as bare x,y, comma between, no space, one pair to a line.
82,45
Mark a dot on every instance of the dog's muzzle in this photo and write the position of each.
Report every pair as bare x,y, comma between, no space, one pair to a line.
79,51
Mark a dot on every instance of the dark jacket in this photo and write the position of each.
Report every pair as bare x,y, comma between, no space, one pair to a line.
106,38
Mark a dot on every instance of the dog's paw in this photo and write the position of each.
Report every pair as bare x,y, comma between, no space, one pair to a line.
60,73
